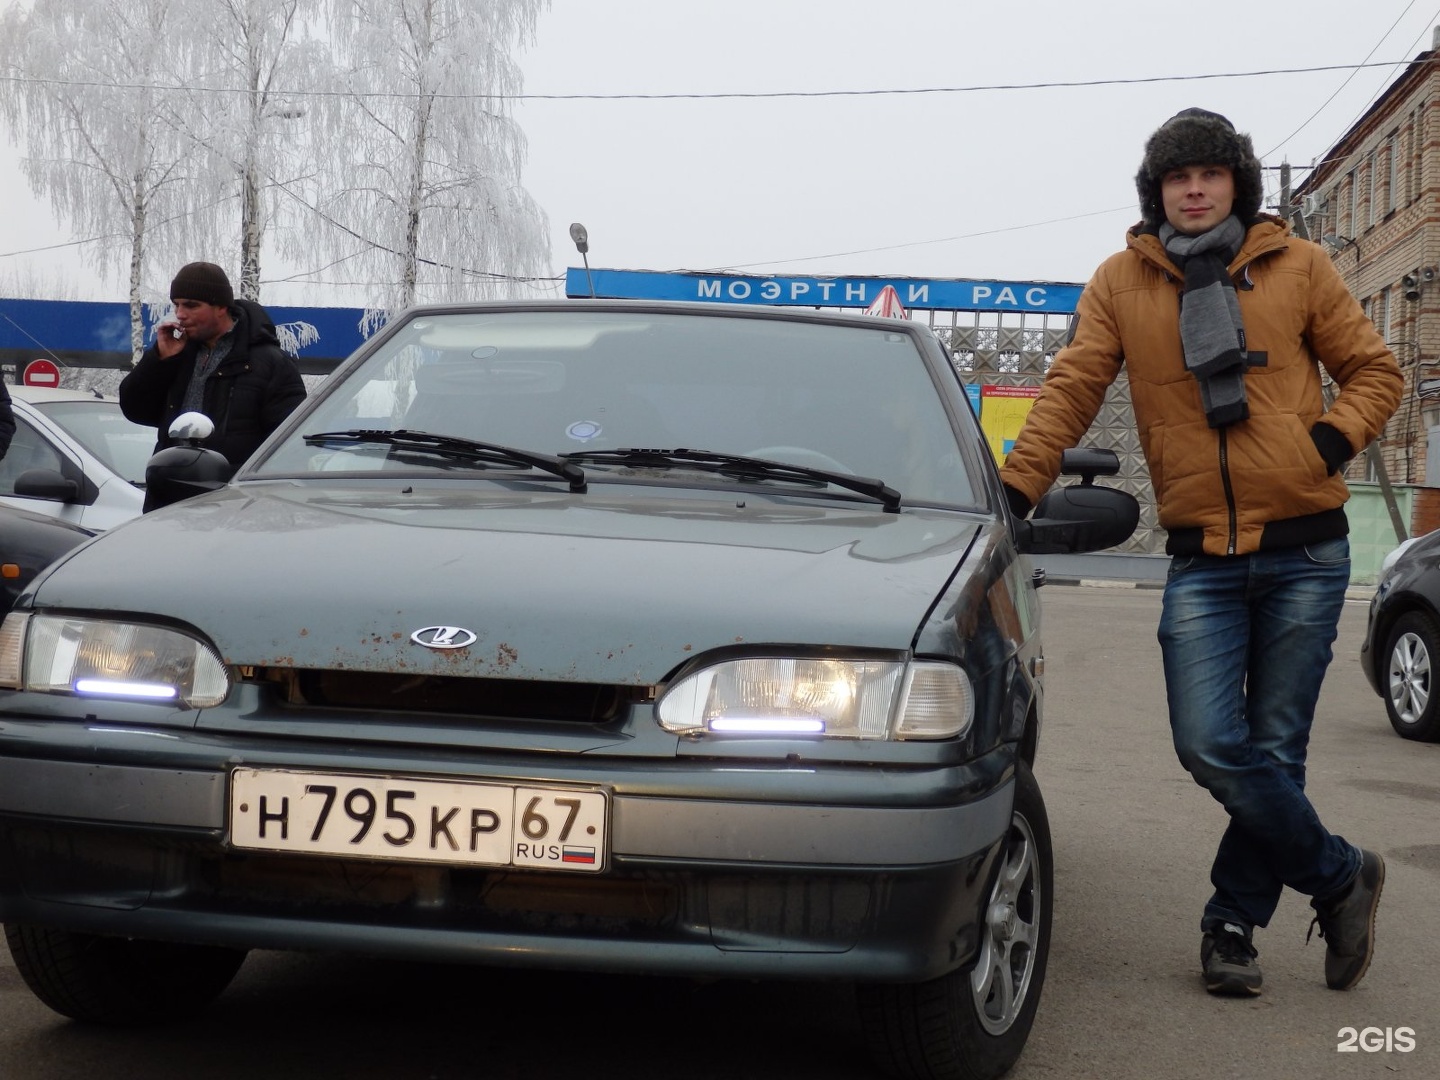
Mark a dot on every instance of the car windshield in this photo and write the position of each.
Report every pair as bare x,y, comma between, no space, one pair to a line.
849,399
102,429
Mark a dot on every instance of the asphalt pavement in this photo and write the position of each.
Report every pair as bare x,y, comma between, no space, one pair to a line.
1133,840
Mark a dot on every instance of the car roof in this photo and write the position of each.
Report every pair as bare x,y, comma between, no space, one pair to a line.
674,307
43,395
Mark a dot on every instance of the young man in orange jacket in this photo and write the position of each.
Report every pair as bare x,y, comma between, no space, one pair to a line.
1222,320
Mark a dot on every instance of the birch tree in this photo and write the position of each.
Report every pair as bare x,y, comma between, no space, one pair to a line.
424,191
245,111
86,89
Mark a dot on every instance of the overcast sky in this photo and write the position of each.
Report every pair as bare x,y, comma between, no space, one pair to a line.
1030,183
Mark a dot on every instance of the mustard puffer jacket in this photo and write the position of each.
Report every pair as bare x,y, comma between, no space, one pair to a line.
1258,483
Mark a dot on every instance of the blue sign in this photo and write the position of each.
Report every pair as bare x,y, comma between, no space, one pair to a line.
942,294
89,326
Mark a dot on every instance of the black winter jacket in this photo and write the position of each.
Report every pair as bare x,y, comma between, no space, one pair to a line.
7,419
255,387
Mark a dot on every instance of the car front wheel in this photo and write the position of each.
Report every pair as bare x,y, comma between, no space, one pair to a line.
109,980
972,1023
1411,657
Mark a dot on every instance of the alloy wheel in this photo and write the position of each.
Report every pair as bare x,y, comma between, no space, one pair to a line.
1001,977
1409,677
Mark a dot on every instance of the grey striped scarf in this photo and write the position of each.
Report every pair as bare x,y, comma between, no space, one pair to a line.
1211,330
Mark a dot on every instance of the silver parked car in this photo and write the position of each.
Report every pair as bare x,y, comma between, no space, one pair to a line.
646,637
75,457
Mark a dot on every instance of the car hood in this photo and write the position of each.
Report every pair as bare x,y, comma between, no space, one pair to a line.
594,588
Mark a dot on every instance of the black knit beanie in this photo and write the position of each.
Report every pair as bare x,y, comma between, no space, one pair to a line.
202,281
1199,137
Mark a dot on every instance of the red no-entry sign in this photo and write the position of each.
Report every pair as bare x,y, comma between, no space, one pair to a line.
41,373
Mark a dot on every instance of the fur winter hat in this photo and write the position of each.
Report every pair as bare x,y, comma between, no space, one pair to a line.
1199,137
202,281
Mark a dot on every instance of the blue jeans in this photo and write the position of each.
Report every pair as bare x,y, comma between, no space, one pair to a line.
1245,641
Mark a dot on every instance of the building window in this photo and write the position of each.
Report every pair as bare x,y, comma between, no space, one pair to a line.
1352,224
1410,167
1417,152
1370,172
1393,173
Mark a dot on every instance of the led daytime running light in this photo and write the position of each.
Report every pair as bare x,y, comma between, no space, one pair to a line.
763,725
116,688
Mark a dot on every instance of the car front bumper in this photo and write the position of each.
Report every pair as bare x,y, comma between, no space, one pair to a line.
1369,647
857,872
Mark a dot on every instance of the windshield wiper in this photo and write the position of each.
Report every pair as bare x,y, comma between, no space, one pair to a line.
456,448
741,467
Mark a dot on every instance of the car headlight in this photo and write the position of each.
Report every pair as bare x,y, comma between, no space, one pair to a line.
1393,557
104,658
838,699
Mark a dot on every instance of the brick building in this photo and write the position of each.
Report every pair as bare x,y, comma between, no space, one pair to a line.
1373,200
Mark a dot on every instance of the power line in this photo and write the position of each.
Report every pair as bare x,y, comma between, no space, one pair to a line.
978,88
737,95
1354,120
921,243
724,95
493,275
57,247
1357,69
375,245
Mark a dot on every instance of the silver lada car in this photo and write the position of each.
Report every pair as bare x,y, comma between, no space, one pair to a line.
627,637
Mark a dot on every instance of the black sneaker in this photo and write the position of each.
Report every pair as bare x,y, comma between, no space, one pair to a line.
1347,923
1228,960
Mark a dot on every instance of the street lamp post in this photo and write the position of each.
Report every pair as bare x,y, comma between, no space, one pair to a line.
582,245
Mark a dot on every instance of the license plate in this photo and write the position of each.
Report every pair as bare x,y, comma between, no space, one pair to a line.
406,818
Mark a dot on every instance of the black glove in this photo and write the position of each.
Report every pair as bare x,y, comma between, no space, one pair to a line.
1019,504
1332,446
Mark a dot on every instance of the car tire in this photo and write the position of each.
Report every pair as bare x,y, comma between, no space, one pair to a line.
972,1024
1412,655
120,981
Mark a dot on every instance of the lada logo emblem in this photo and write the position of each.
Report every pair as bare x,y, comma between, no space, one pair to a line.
443,637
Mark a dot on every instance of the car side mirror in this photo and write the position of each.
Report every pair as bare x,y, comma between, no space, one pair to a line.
187,468
1081,517
46,484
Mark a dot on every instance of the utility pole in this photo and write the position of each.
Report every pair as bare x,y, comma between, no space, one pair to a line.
1296,219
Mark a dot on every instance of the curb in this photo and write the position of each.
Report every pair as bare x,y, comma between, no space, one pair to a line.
1104,583
1360,593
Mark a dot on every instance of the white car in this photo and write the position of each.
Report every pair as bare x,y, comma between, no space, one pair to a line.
75,457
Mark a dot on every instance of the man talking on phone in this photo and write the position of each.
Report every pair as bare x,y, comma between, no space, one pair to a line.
217,355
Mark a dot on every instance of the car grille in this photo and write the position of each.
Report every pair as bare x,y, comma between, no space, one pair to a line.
586,703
